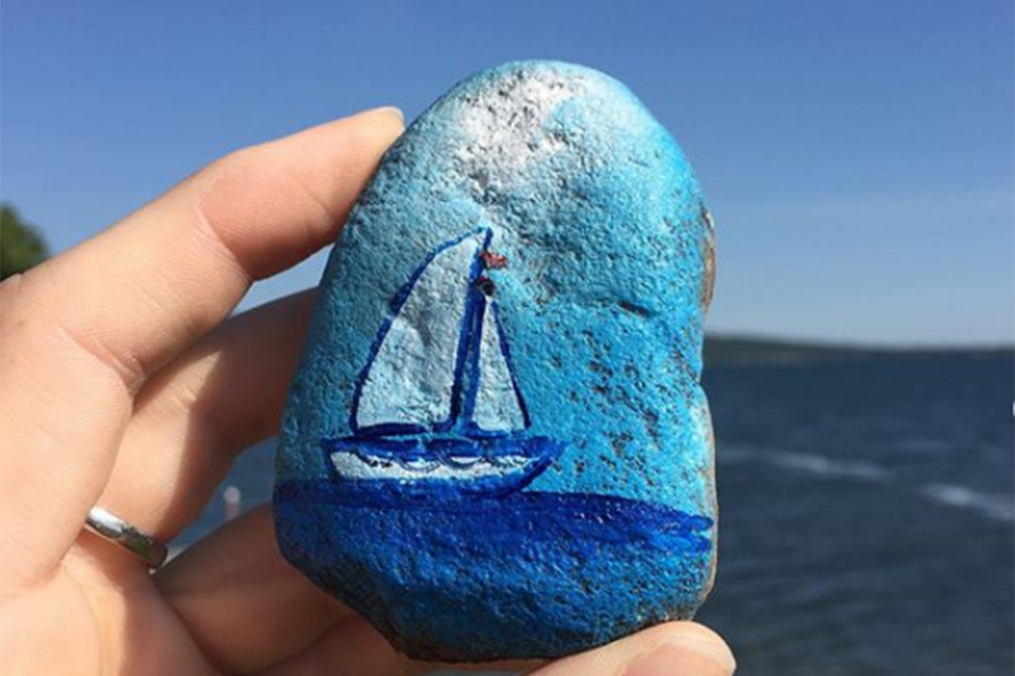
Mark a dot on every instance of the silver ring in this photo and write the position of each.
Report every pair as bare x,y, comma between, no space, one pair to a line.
114,529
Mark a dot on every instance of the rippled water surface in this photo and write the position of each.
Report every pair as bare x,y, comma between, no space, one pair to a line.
867,516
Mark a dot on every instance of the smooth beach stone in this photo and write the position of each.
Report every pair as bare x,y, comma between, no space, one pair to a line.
496,444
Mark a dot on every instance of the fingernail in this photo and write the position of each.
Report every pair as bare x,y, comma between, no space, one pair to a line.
392,111
685,656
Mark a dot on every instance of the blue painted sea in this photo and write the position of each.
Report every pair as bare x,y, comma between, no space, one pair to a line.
867,515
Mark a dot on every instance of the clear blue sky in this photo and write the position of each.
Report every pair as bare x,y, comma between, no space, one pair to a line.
858,156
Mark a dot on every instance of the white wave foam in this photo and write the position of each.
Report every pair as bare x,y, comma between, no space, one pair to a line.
1000,507
805,462
995,506
819,464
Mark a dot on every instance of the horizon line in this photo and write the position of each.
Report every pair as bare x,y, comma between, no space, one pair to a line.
857,345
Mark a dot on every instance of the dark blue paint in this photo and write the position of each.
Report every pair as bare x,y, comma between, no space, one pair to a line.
568,568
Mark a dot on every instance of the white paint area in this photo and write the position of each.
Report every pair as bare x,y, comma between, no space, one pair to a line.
411,378
506,127
352,466
496,407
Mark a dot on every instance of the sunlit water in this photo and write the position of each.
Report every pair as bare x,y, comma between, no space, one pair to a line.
867,514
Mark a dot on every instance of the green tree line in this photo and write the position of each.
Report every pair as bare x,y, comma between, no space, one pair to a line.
21,244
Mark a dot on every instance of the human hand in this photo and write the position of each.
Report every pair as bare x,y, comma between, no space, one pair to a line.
125,385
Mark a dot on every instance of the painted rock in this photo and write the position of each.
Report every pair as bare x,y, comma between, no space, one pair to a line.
496,444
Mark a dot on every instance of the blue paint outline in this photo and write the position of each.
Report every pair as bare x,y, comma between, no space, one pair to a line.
471,428
469,404
467,336
394,308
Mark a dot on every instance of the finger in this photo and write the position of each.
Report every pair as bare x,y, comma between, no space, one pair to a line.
82,332
243,604
221,396
673,648
352,647
144,289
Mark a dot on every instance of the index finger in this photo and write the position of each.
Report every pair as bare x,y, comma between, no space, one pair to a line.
82,332
141,291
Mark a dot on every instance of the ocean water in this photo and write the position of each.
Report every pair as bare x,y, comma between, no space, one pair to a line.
867,521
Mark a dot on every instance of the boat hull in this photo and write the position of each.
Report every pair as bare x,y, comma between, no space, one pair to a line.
434,465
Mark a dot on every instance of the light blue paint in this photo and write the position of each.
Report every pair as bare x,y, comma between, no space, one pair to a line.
607,241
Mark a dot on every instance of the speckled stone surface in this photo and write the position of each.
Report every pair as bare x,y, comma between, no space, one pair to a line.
496,444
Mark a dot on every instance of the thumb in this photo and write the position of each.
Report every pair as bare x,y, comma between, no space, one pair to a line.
673,649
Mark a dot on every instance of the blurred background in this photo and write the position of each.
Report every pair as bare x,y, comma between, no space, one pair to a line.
859,159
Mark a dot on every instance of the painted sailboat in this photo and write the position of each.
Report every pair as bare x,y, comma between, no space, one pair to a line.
437,407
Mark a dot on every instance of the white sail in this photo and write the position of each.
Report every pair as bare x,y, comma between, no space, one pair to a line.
496,407
411,377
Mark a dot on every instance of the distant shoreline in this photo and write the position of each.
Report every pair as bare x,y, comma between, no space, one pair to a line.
725,349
